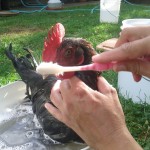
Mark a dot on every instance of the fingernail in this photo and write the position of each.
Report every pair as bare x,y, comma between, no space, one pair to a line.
46,105
95,58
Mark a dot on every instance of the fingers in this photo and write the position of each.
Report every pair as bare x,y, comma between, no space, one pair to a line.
124,38
103,86
54,111
73,86
132,44
56,99
66,95
137,67
133,50
65,88
132,34
126,51
55,96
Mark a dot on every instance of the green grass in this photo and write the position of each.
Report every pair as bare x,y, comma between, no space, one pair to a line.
29,30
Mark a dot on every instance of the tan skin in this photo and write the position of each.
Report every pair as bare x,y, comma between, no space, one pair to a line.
132,44
97,116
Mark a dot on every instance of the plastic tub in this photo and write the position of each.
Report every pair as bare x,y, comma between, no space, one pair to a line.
137,91
19,127
135,22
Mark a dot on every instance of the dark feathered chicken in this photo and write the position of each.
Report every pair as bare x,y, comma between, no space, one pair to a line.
66,52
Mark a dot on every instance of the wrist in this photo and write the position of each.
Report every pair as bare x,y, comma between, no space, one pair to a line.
120,140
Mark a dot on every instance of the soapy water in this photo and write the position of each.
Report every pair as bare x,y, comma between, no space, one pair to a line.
20,130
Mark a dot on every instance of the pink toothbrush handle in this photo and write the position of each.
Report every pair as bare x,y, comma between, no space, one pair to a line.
98,67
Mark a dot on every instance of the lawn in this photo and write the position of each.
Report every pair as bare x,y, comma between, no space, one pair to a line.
29,30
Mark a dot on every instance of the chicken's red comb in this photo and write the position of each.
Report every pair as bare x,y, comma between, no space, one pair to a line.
52,42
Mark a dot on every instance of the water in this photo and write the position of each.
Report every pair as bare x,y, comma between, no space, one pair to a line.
20,130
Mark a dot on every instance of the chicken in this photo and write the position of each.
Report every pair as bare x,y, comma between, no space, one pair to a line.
66,52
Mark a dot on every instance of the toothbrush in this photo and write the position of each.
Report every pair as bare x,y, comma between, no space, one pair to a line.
53,68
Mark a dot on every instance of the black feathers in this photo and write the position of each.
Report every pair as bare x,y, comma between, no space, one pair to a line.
72,52
40,93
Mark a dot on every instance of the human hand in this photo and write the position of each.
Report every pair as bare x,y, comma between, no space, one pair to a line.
132,52
132,34
96,116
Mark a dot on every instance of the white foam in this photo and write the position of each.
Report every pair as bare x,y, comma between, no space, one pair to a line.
29,134
26,146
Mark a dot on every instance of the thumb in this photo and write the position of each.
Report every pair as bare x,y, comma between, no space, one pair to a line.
137,67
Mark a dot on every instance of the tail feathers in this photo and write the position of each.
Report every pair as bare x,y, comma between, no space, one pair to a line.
24,65
31,58
10,55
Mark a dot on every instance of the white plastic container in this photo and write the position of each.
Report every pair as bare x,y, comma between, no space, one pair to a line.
128,88
137,91
135,22
54,4
109,11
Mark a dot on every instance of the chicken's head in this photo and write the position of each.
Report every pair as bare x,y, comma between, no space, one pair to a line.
74,52
66,51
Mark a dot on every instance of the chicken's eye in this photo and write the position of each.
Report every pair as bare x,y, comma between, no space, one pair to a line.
68,53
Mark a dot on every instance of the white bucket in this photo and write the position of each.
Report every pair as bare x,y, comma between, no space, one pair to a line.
54,4
128,88
109,11
137,91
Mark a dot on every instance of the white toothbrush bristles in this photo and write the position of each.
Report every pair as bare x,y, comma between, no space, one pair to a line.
49,68
53,68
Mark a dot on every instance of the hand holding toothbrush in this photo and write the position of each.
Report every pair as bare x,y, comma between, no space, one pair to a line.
132,52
